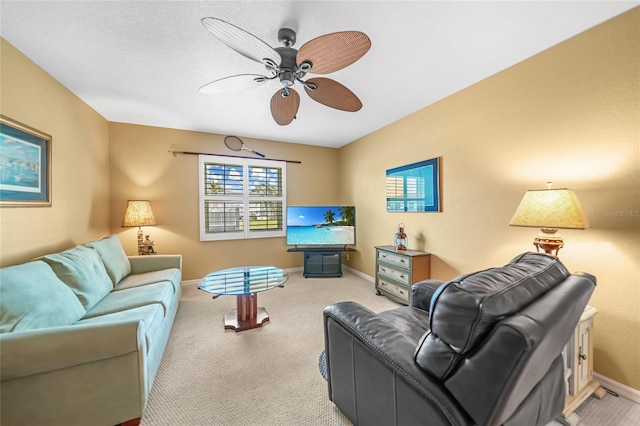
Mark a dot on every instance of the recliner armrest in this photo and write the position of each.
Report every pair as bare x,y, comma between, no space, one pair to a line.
348,325
421,293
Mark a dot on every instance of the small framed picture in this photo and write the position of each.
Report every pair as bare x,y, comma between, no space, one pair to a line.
25,165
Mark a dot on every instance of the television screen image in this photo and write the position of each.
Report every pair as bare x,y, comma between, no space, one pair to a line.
321,225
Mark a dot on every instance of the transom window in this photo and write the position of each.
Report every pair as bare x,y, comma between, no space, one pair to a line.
241,198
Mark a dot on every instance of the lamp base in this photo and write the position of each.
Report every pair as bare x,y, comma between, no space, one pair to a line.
140,242
548,242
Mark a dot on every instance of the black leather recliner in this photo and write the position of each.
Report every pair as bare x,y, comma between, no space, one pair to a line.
482,349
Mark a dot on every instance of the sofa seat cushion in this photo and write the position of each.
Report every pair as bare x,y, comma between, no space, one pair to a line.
83,271
171,275
113,257
32,296
412,322
467,308
117,301
150,316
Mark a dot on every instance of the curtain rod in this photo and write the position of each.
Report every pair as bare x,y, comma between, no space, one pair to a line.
234,156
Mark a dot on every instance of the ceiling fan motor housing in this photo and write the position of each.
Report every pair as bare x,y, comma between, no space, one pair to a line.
288,70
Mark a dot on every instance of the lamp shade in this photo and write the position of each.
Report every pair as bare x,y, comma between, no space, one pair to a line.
138,213
550,208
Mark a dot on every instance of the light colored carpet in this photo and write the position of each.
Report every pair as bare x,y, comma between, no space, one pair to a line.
265,376
609,411
270,376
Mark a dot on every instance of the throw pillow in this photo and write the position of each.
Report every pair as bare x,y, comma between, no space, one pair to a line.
83,271
113,256
32,296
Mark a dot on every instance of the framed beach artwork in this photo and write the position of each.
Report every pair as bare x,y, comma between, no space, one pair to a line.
25,165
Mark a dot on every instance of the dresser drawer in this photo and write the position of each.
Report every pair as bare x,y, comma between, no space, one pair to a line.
394,273
399,260
395,289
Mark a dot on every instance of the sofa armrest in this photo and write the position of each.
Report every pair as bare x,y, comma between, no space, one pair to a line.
363,351
141,264
422,292
49,349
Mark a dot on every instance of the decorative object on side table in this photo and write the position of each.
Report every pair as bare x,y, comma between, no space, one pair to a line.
25,165
400,240
139,213
549,209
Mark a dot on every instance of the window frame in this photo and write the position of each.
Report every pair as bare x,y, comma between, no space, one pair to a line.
246,198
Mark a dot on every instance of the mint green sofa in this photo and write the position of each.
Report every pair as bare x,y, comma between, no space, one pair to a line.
82,333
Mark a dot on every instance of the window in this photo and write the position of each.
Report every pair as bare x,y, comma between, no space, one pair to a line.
241,198
414,187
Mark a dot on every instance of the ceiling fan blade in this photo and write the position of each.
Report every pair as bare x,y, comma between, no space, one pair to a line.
235,82
333,94
332,52
241,41
283,109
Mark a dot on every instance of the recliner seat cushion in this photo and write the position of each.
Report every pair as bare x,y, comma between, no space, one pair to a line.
468,307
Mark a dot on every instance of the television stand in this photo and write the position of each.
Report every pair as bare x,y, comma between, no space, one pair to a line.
321,261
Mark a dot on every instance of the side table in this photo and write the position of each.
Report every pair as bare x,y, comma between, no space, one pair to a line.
579,367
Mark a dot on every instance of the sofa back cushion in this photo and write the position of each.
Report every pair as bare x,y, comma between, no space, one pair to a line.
83,271
32,296
467,308
113,257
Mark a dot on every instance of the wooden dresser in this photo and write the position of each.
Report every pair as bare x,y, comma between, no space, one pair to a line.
398,270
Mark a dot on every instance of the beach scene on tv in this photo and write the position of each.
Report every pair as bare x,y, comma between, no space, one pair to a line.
321,225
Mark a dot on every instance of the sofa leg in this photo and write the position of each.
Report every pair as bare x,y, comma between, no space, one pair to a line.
132,422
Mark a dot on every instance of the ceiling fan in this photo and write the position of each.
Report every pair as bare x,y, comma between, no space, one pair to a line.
322,55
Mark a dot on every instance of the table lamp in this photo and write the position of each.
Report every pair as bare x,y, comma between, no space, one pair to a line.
139,213
549,209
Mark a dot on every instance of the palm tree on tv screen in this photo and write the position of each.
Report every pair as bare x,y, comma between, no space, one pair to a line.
347,214
329,216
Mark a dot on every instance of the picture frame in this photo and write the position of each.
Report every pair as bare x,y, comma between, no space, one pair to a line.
414,187
25,165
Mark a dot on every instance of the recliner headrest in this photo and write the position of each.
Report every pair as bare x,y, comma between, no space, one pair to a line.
466,308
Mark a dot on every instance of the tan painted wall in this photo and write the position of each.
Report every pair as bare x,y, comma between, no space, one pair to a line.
569,115
80,189
142,168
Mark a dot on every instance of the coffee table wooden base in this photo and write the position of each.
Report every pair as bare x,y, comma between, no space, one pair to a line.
247,315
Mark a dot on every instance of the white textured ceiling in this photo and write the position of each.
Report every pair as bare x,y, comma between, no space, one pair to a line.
142,62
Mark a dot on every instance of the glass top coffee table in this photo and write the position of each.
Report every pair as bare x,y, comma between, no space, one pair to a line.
245,282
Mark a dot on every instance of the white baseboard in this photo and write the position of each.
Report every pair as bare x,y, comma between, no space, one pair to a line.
190,282
622,390
358,273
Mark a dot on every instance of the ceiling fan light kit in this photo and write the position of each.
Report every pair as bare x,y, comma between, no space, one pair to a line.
322,55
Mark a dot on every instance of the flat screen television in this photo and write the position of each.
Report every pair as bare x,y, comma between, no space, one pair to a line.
309,226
